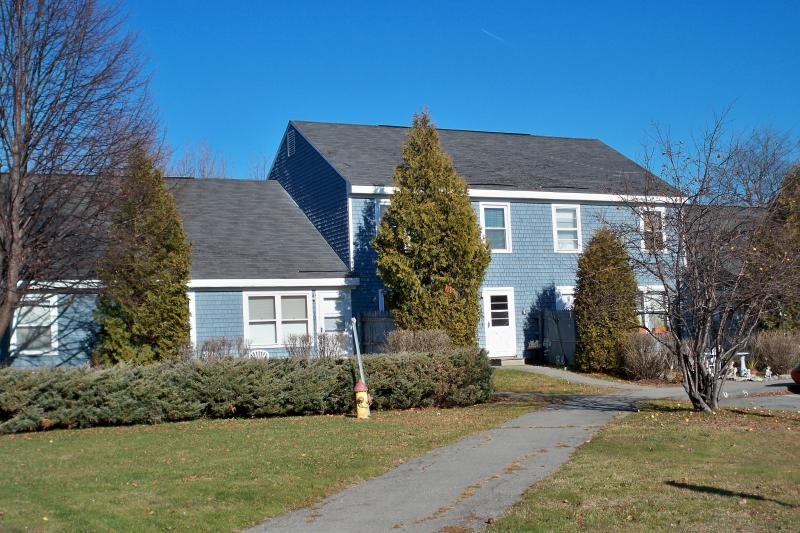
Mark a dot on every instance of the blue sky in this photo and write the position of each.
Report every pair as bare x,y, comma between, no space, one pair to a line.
233,73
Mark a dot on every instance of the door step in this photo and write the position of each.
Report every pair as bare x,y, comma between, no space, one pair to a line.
506,361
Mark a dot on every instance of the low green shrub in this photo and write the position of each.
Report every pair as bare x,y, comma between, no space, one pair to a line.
423,340
32,400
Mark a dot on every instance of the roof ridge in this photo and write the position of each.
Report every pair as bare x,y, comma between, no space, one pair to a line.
395,126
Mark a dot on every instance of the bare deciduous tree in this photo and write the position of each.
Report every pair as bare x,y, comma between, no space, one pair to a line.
200,161
707,245
73,106
259,168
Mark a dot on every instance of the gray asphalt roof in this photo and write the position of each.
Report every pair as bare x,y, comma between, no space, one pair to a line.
368,155
245,229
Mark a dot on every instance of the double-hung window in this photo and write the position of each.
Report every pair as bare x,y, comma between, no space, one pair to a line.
567,228
36,328
652,309
496,225
652,226
271,318
381,205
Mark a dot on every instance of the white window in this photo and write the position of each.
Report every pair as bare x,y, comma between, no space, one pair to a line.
36,326
333,312
567,228
652,309
565,298
381,206
496,225
652,228
270,319
381,301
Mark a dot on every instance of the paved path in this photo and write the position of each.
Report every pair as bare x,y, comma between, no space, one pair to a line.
479,477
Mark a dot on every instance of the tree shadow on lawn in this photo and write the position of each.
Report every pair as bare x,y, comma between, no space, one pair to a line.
724,492
573,401
776,414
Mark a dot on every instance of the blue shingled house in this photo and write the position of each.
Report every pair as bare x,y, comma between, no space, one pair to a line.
292,255
260,271
539,200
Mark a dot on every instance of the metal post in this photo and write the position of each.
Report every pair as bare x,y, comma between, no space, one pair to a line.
358,351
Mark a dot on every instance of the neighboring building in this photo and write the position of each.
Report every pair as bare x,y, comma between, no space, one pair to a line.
260,271
538,199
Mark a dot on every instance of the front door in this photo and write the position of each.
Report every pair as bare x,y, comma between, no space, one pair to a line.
498,317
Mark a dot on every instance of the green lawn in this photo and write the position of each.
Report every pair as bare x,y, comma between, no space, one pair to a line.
667,468
212,475
510,380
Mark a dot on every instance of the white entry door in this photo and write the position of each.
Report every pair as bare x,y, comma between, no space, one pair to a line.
498,317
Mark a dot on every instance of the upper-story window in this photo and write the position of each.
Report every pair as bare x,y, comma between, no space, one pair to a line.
496,225
381,205
567,228
36,329
652,226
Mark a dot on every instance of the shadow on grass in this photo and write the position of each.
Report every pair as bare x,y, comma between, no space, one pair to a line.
750,413
666,406
724,492
573,401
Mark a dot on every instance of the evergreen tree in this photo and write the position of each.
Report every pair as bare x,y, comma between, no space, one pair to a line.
605,303
431,257
143,308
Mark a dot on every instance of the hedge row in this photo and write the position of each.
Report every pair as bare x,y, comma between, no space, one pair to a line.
32,400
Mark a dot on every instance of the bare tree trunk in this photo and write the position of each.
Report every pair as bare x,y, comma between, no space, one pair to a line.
719,265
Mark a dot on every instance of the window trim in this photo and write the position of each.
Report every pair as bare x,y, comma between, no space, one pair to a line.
643,313
52,303
346,311
564,290
381,300
246,295
380,203
506,207
554,222
663,215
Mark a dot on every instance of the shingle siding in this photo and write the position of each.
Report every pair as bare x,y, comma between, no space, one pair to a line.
76,329
533,268
365,296
221,313
218,314
317,189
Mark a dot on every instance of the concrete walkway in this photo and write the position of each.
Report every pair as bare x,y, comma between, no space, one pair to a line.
466,483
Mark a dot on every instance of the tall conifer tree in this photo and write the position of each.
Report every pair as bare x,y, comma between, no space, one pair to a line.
431,257
605,303
143,308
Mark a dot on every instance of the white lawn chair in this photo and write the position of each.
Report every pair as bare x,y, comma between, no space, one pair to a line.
258,354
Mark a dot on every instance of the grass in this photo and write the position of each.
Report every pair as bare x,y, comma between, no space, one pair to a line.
212,475
667,468
509,380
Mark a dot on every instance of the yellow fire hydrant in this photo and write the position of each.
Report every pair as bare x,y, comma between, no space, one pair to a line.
363,400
